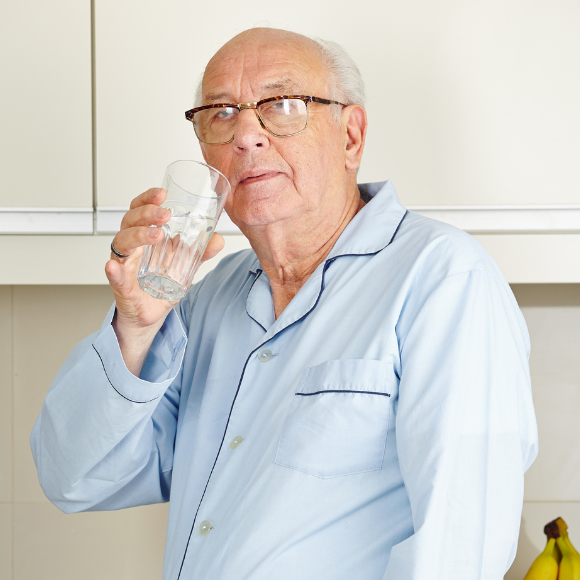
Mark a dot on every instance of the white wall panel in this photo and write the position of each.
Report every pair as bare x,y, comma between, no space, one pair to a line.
469,103
45,104
552,313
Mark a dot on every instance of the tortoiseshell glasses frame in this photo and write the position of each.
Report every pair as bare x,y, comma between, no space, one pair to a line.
190,115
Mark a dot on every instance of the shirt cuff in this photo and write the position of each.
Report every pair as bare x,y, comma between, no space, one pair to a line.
161,366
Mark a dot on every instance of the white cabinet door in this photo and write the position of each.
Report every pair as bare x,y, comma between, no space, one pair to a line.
148,58
45,116
469,104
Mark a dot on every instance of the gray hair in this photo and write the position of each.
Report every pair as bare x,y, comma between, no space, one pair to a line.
346,83
346,86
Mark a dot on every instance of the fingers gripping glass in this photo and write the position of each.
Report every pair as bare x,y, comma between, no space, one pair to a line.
282,116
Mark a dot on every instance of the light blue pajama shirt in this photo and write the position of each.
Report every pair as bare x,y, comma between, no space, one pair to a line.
378,429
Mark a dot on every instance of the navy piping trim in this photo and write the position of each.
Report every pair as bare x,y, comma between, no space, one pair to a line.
255,279
368,253
343,391
110,383
395,233
326,265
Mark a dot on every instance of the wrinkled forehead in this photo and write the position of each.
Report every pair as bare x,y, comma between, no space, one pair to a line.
250,69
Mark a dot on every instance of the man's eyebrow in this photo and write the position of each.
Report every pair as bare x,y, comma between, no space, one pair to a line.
217,97
287,86
283,86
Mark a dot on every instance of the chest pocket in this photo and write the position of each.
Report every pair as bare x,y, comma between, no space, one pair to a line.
339,418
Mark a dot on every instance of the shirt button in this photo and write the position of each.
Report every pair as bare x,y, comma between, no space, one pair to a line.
235,442
265,355
204,527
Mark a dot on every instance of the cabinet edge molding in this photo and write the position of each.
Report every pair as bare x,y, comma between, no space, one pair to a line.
532,219
484,219
46,220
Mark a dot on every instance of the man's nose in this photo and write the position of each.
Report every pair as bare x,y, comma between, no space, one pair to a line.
250,135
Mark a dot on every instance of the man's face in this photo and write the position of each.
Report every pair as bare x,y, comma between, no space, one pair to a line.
276,178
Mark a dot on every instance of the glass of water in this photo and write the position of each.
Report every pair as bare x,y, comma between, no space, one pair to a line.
196,194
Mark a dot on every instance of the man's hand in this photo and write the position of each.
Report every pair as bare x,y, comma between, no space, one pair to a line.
139,316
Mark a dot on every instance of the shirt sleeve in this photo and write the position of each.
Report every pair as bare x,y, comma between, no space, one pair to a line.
465,426
104,438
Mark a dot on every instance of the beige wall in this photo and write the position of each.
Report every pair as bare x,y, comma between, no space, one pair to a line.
552,484
40,324
38,327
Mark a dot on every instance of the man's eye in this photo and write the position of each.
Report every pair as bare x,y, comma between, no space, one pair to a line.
223,114
285,107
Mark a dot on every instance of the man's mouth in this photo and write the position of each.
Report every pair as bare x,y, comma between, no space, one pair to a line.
256,176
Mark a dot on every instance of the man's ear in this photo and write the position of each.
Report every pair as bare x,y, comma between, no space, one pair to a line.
354,118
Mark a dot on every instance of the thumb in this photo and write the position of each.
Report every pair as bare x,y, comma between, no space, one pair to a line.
115,274
215,246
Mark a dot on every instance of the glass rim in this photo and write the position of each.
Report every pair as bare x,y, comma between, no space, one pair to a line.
210,167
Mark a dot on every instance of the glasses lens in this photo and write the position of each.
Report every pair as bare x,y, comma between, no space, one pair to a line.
215,125
284,117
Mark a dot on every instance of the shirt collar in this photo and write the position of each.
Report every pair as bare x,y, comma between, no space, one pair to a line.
372,228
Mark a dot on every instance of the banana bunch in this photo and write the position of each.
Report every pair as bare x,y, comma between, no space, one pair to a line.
559,560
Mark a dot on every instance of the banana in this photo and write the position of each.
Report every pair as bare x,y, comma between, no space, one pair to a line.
570,564
559,560
563,528
553,530
545,566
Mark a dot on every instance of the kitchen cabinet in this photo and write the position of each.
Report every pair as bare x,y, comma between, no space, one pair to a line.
45,117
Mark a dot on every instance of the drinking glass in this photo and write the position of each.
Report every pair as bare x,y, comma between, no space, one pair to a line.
196,194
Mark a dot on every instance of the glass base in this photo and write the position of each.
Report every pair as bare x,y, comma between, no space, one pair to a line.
161,287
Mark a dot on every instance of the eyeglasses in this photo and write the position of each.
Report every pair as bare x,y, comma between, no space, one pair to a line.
282,116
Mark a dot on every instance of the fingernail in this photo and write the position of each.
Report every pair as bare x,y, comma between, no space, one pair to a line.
161,213
155,191
153,232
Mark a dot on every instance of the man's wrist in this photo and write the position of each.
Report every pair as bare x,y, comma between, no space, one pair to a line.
134,341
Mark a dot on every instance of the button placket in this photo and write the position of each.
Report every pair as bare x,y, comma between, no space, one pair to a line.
263,355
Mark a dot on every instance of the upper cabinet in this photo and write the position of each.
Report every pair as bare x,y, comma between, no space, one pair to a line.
474,103
45,113
472,107
469,103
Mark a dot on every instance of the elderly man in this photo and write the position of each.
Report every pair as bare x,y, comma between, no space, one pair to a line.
348,399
